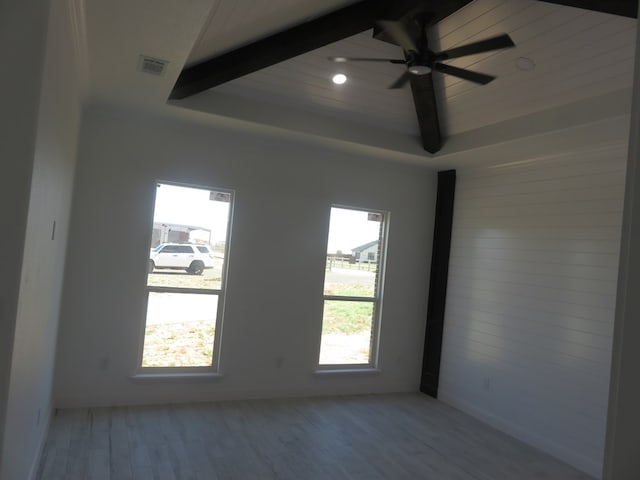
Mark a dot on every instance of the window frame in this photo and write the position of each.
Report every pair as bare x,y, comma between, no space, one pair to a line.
376,299
212,370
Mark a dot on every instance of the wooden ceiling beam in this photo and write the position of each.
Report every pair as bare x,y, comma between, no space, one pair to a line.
424,99
308,36
276,48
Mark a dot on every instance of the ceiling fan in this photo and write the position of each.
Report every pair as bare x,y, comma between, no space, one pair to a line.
411,18
420,62
400,22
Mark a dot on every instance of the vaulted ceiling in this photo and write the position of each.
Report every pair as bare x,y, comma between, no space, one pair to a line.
576,54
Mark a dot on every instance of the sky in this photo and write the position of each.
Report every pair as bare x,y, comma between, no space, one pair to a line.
193,206
349,229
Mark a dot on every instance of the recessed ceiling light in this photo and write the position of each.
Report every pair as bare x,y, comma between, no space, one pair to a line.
525,64
339,78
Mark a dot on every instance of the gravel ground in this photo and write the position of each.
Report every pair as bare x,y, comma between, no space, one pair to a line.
178,345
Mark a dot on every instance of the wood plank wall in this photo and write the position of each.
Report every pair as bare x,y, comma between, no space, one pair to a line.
530,306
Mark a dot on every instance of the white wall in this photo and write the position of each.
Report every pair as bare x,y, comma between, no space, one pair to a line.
49,150
284,191
622,461
18,123
531,297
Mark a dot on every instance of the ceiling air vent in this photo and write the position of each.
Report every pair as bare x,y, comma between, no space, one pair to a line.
152,65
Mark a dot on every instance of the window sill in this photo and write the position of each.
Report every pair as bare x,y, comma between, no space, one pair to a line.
347,371
187,377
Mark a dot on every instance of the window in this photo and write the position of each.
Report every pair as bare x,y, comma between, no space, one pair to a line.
186,278
352,288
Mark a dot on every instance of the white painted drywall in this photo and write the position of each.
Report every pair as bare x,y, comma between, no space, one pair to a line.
18,124
284,191
531,296
622,459
48,148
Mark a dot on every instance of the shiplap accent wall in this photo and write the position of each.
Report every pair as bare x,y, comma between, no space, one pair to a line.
531,297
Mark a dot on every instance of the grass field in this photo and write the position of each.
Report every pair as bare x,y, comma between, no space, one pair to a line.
347,317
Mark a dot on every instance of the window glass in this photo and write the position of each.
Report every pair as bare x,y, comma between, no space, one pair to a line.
352,287
180,330
185,281
185,217
346,332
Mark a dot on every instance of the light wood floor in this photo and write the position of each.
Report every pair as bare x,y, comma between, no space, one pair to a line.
366,437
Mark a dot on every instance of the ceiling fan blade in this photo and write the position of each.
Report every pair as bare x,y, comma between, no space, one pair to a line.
475,77
424,99
495,43
358,59
402,80
399,34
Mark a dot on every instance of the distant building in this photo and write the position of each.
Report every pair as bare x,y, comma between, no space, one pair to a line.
366,253
164,232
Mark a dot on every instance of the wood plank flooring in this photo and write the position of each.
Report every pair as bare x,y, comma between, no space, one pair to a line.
374,437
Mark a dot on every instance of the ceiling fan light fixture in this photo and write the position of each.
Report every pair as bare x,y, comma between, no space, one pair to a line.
339,78
419,69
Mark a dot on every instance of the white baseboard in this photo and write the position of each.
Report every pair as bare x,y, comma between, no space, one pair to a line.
146,398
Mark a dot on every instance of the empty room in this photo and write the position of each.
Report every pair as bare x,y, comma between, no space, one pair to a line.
319,240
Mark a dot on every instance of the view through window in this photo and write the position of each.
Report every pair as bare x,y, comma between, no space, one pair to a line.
185,282
352,287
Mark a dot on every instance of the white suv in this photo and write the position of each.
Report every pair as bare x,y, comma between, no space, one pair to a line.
181,256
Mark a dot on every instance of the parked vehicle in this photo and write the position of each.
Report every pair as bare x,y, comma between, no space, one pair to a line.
181,256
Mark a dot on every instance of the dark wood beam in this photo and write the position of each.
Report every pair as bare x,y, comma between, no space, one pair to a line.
276,48
624,8
426,105
303,38
438,282
424,98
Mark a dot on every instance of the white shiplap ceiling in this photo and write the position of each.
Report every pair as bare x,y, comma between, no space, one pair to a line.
578,54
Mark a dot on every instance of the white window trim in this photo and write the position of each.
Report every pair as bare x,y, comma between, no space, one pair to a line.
374,353
187,373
